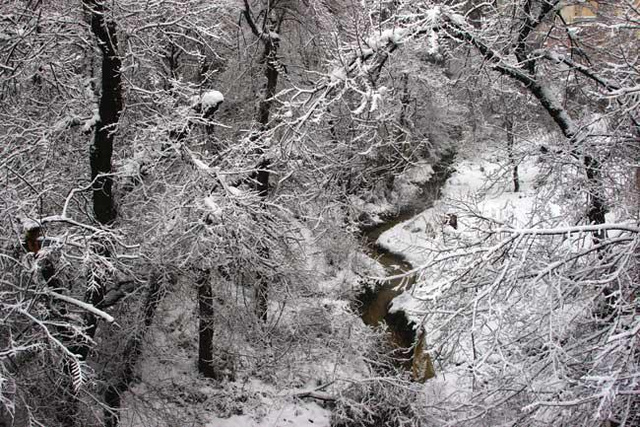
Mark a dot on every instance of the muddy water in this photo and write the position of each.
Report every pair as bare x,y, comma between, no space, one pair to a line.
376,299
374,302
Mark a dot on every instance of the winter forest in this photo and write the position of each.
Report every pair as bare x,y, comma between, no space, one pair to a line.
328,213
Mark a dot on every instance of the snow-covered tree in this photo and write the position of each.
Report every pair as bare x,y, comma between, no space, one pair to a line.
188,175
539,314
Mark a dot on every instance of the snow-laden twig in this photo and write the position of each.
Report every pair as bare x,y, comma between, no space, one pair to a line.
570,230
565,403
553,266
215,171
83,305
65,208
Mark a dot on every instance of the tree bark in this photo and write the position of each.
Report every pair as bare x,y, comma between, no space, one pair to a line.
109,109
261,176
597,206
511,154
205,326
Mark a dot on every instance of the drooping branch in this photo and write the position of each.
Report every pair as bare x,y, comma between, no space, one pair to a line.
570,230
132,352
614,89
543,94
585,71
83,305
597,207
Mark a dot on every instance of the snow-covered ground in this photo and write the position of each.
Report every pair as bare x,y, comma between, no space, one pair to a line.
484,287
479,189
314,344
267,392
294,413
470,192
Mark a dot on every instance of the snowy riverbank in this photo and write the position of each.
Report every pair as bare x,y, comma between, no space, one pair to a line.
480,190
469,193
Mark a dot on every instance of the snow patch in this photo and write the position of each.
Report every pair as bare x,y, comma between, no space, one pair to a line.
420,173
392,36
90,124
29,224
274,36
210,202
211,98
302,414
338,74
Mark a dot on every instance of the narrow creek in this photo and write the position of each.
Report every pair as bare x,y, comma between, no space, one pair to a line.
374,302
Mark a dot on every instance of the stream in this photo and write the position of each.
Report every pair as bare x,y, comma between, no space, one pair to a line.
374,302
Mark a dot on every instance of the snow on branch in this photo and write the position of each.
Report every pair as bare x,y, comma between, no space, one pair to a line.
458,29
569,230
266,37
566,403
70,221
209,99
585,71
83,305
366,61
387,38
214,171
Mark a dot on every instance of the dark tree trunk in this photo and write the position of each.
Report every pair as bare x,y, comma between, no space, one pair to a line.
264,112
261,176
109,109
271,72
205,327
133,349
511,154
597,206
208,116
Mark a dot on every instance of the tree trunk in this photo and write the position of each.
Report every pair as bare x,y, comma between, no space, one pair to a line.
511,154
264,111
597,207
109,109
261,176
205,327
